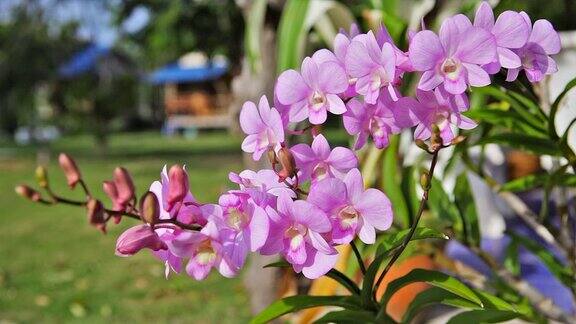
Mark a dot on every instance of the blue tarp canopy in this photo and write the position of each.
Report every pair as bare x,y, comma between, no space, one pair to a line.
173,73
83,61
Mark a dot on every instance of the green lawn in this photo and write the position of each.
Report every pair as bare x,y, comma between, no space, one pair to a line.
55,268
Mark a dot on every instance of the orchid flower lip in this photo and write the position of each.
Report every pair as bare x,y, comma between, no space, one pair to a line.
451,68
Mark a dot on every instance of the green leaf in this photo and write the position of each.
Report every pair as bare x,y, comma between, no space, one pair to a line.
532,181
493,302
524,142
347,316
528,182
298,17
368,282
508,119
467,207
441,206
334,274
391,182
408,185
483,316
529,104
434,296
292,34
511,259
344,281
434,278
299,302
279,264
524,112
389,242
254,26
563,273
556,105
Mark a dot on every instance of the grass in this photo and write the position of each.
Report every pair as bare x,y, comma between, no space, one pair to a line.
54,268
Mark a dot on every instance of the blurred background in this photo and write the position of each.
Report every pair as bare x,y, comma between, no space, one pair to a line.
140,84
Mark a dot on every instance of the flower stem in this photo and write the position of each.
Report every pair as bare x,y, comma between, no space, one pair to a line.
401,248
358,257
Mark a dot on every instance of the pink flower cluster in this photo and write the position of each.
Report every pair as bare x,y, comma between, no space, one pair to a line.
270,212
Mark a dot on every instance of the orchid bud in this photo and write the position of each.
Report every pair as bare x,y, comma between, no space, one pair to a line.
178,186
112,192
272,156
96,214
42,177
458,139
421,144
288,163
435,139
27,192
70,169
424,181
137,238
149,208
124,185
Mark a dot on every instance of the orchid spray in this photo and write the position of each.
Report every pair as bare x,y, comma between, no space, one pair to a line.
313,200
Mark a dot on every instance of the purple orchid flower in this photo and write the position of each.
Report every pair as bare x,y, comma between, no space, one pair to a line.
317,162
313,92
403,63
296,233
373,65
244,222
264,128
510,32
205,251
535,55
341,44
352,209
379,121
187,211
454,58
442,109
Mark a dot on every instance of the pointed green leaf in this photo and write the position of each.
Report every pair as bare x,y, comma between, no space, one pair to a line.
483,316
511,259
524,142
433,296
389,242
347,316
442,207
436,295
278,264
434,278
344,281
391,182
525,114
368,282
292,34
299,302
467,207
507,119
338,276
409,190
556,105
